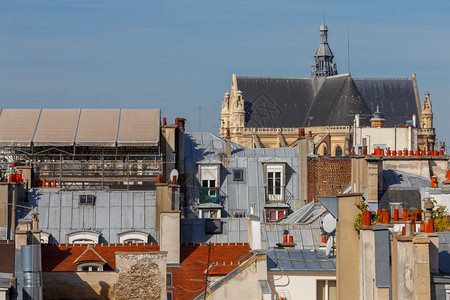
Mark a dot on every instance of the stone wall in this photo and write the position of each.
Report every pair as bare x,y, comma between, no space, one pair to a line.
141,275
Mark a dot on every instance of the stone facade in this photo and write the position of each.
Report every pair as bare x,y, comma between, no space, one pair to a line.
141,276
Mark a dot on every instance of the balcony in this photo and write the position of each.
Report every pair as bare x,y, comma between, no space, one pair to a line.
278,194
209,195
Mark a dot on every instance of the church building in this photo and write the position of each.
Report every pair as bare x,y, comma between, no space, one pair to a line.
266,112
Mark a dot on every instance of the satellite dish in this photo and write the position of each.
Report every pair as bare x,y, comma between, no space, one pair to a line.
329,223
329,246
174,172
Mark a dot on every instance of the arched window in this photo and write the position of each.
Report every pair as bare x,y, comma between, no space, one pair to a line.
323,150
133,237
338,151
83,237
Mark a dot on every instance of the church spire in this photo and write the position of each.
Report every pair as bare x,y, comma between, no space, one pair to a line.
323,58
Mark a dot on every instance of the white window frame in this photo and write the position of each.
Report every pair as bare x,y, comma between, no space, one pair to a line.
90,265
83,237
133,237
205,213
271,171
209,173
327,296
45,237
276,211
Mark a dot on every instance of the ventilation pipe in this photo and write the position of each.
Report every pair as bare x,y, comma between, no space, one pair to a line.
32,272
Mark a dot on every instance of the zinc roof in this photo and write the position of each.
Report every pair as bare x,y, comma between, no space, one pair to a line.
299,260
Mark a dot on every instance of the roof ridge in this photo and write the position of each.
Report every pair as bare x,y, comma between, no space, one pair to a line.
382,78
89,248
272,77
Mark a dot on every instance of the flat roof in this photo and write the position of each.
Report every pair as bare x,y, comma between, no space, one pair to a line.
81,127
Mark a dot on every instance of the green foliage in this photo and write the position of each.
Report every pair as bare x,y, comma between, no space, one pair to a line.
441,218
362,206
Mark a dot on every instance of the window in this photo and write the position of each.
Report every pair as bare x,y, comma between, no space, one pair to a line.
169,279
209,181
210,213
338,151
87,200
326,289
133,237
45,237
90,267
275,214
238,174
169,295
83,237
275,182
239,214
209,175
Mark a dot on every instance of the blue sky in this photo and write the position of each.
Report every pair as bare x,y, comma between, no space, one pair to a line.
179,55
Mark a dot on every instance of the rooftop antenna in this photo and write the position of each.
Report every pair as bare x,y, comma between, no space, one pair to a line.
200,118
348,51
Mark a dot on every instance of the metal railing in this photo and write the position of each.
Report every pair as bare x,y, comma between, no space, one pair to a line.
278,194
206,195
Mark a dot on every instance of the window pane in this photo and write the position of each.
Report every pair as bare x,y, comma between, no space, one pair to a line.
205,183
212,183
320,289
270,183
85,269
205,214
280,214
94,269
213,214
169,279
273,215
277,183
332,290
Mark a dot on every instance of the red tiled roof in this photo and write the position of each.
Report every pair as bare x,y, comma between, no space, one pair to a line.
189,280
90,255
62,257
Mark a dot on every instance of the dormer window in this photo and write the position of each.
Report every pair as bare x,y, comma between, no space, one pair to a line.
86,199
90,267
83,237
45,237
90,261
274,177
133,237
209,183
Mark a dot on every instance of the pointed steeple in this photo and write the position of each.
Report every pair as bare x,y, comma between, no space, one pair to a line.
323,58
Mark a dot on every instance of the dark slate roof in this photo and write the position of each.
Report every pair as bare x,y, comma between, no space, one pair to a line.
337,102
395,96
299,260
288,102
276,102
401,187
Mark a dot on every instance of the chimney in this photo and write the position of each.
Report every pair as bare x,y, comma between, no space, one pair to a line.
228,142
169,238
180,123
378,119
254,232
288,241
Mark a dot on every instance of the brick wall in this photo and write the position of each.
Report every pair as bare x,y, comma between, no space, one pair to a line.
327,176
